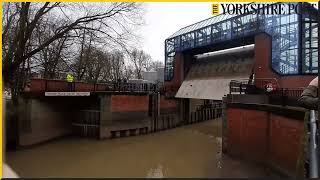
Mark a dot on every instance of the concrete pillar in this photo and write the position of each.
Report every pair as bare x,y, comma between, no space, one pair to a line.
181,111
105,115
154,105
24,115
157,108
185,109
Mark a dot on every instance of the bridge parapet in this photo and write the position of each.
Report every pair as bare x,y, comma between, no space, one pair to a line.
51,85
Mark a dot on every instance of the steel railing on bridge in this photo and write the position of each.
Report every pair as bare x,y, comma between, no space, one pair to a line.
283,96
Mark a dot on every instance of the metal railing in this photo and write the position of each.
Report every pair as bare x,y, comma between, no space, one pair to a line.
250,86
258,87
313,149
204,115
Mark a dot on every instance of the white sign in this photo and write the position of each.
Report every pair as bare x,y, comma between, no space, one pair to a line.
67,93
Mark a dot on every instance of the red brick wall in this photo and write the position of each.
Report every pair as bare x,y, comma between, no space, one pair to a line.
127,103
296,81
57,85
263,65
247,133
285,136
264,136
39,85
81,86
101,87
175,83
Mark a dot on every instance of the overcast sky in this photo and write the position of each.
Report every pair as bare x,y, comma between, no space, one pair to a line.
163,19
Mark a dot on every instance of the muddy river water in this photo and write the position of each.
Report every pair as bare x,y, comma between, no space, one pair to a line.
187,151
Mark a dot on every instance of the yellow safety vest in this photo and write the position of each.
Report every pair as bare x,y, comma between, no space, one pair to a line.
69,78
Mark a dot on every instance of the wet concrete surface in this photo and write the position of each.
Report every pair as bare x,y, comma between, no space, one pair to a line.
187,151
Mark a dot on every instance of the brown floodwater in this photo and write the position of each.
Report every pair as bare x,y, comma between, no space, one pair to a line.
187,151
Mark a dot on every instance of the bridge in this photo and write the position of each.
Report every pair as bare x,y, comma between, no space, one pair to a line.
55,108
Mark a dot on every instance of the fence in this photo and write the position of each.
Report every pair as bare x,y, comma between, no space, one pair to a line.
165,121
280,96
168,121
204,115
87,123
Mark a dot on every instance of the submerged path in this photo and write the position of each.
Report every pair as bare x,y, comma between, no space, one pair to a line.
187,151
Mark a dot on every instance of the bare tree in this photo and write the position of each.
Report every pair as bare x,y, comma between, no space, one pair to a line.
98,61
85,51
117,65
140,60
112,24
128,72
50,57
154,65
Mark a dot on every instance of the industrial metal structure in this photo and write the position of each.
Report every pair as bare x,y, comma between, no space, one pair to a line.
294,49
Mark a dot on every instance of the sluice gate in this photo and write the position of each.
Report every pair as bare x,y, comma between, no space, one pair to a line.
87,123
160,121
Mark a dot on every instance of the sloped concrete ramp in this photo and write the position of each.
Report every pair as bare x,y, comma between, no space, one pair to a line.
210,78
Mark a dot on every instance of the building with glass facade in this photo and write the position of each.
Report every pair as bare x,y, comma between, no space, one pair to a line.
294,38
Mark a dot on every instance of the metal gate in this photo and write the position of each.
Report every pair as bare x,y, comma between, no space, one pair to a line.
87,123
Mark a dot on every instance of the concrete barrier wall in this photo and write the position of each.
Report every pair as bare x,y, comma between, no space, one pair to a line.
267,135
41,123
45,118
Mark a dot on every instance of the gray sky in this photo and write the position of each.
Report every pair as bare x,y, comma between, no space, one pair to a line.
163,19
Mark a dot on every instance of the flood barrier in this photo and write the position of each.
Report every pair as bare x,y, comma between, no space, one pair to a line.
86,124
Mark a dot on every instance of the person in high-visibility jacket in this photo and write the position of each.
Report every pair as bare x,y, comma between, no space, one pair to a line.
70,81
